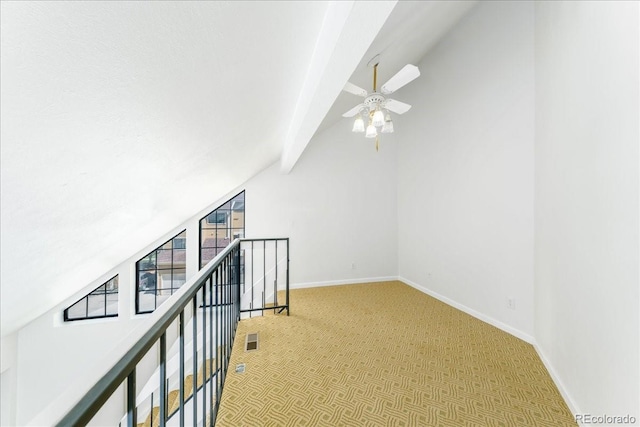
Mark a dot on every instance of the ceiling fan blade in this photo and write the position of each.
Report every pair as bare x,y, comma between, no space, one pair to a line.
356,90
402,77
396,106
353,111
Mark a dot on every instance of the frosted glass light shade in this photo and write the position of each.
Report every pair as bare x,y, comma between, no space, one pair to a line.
371,131
378,119
388,125
358,125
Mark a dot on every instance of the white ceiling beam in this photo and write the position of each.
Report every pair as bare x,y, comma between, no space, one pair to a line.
348,30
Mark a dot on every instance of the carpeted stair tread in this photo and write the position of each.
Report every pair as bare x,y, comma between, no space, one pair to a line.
173,397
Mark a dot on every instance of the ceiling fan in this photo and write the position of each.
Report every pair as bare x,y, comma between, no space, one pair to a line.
375,108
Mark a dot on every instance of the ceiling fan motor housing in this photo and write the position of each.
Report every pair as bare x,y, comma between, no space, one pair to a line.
374,100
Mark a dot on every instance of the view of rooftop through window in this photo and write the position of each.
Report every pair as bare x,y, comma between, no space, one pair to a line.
160,273
220,227
101,302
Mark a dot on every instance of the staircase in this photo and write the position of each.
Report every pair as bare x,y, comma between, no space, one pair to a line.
173,397
249,277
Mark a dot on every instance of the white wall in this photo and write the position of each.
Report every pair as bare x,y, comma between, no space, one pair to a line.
8,379
53,355
586,216
465,168
337,206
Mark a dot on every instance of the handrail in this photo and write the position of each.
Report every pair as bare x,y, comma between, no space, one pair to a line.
93,400
218,287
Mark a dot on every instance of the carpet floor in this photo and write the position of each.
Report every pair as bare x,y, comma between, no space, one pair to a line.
384,354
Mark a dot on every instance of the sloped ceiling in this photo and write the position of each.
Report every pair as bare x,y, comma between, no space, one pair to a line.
120,120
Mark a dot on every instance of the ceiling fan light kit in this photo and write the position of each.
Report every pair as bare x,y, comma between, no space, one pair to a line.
378,119
375,108
387,127
358,125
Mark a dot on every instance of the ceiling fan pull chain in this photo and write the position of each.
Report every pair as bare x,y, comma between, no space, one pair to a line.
376,143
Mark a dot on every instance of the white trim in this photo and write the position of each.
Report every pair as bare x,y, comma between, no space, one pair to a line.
342,282
487,319
573,406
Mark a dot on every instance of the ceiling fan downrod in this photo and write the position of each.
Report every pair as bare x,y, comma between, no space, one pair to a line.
375,76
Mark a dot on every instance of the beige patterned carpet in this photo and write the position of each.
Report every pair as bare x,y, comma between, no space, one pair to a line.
384,354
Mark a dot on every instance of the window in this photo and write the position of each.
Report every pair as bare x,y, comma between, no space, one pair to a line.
160,273
220,227
101,302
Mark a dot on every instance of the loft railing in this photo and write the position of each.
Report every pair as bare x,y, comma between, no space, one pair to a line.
211,307
264,275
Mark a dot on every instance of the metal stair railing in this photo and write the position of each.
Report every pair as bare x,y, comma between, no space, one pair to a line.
217,290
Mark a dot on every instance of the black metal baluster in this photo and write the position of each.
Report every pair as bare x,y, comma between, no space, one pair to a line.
224,322
238,272
181,388
218,338
163,380
287,296
211,397
234,293
251,305
264,274
132,417
275,283
194,375
226,319
244,287
204,354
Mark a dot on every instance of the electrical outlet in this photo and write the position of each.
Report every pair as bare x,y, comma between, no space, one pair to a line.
511,303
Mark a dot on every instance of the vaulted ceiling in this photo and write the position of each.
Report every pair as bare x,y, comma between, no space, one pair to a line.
120,120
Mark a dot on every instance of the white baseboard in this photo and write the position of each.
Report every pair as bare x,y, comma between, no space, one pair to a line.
573,407
342,282
490,320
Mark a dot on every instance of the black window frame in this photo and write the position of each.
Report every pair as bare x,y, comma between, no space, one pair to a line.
172,270
227,208
93,293
217,220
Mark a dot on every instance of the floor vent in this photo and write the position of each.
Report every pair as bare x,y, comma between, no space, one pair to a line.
240,368
251,342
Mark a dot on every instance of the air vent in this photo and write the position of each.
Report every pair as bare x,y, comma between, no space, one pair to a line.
251,342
